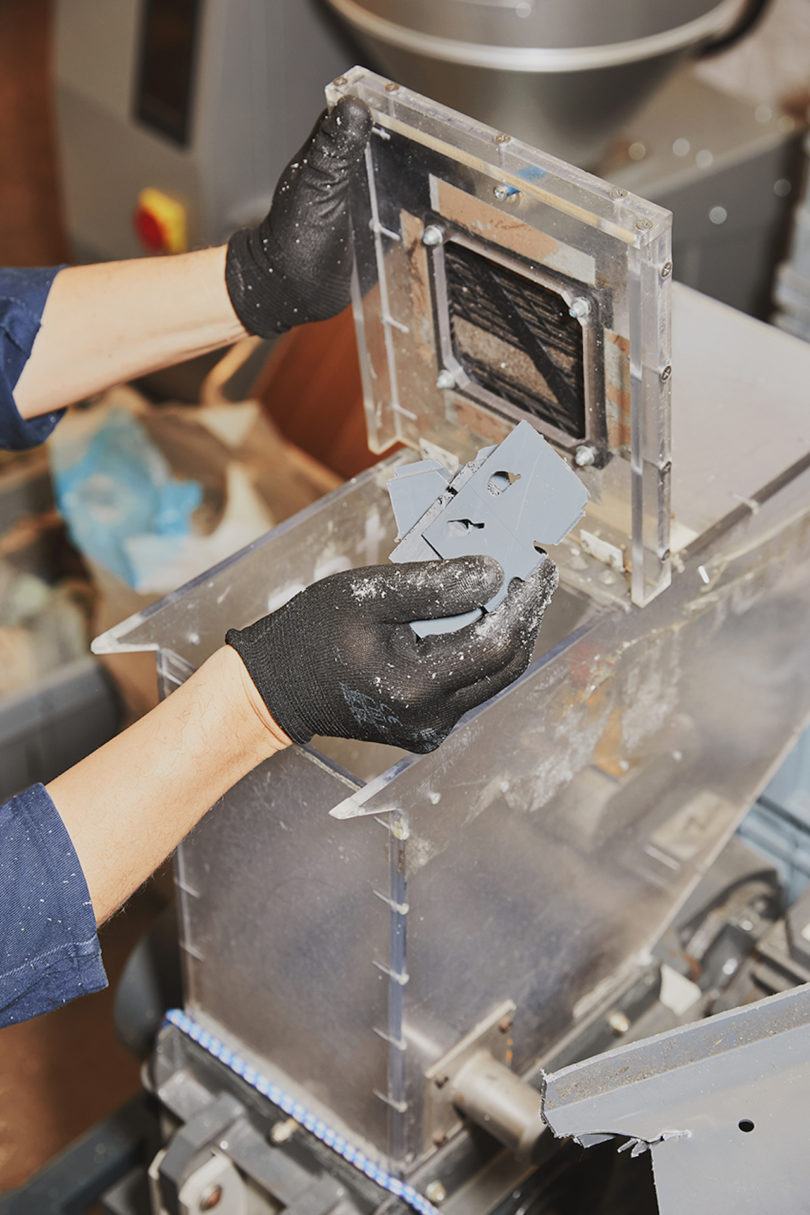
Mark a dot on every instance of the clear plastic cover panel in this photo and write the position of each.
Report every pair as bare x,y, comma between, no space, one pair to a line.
496,284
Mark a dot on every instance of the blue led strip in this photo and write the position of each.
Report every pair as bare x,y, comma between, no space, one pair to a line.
294,1109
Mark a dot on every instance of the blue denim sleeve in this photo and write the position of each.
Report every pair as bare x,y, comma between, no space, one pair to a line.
22,299
49,950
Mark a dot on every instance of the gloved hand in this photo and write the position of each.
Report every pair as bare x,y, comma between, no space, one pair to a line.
296,266
341,658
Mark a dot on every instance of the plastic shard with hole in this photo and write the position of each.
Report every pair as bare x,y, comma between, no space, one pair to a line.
510,502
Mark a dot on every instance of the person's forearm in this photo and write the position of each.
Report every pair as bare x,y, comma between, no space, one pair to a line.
128,805
105,324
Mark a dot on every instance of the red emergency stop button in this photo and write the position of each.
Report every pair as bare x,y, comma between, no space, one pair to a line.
160,222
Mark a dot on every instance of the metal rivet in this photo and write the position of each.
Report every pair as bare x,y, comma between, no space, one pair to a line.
433,235
439,1138
212,1199
618,192
666,372
391,87
637,150
501,138
579,307
435,1192
666,269
340,80
445,379
643,225
583,456
718,215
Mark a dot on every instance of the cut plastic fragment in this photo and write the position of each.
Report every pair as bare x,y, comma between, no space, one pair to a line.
509,503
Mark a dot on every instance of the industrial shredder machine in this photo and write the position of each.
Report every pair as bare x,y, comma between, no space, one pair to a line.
479,901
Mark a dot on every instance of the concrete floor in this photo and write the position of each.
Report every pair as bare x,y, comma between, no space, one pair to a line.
60,1073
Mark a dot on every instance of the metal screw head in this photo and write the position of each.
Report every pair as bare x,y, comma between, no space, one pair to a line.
445,379
617,193
433,235
501,138
503,192
585,455
340,80
439,1138
435,1192
391,87
666,269
282,1132
665,373
643,225
579,307
618,1021
211,1199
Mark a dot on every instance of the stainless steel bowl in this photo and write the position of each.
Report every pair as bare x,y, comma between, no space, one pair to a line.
563,75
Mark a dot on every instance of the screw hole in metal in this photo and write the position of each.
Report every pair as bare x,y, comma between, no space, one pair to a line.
745,1125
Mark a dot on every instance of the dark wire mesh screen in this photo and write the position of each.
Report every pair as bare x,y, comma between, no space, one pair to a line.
515,338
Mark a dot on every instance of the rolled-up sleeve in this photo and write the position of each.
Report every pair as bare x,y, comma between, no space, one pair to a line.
22,300
49,949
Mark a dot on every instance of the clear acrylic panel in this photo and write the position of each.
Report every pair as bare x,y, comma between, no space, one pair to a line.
496,284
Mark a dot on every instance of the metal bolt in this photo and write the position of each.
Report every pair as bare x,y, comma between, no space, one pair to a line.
579,307
433,235
583,456
211,1199
504,193
666,372
666,269
501,138
643,225
340,80
445,379
435,1192
391,87
618,1021
282,1132
617,193
506,1023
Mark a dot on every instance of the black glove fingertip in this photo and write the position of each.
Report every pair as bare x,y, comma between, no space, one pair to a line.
354,122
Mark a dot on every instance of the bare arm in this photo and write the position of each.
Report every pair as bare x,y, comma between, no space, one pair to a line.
128,805
104,324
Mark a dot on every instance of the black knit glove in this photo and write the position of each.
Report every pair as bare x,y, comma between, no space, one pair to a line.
341,658
296,266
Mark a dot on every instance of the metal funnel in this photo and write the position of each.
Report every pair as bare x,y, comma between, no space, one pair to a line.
563,75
